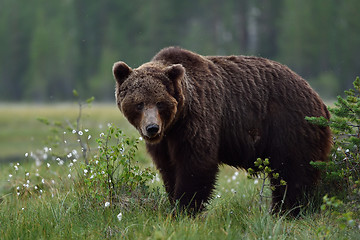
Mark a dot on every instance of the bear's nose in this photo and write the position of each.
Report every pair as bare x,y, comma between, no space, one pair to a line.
152,129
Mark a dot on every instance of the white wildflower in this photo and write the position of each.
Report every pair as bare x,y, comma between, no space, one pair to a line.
36,187
256,181
53,181
89,137
74,160
69,155
80,133
71,164
69,176
43,181
85,171
86,130
10,175
141,138
27,174
102,134
26,154
74,131
107,204
16,168
48,165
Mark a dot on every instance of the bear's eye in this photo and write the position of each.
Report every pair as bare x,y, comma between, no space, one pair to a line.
139,106
160,105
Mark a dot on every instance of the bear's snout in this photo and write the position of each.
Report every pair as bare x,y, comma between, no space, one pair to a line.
151,124
152,129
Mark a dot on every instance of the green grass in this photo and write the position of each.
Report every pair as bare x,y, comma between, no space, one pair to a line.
21,132
64,210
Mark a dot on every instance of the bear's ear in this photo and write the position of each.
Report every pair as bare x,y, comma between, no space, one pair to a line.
121,71
175,72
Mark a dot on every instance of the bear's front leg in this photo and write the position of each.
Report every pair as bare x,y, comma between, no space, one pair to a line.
194,186
161,158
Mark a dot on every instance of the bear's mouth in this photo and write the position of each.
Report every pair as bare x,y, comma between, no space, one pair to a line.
153,139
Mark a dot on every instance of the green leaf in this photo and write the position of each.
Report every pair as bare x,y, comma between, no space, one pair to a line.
44,121
320,121
90,100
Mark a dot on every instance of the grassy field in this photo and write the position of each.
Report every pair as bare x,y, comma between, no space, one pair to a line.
21,132
54,202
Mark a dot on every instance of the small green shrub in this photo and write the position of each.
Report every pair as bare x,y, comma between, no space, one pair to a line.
70,134
113,172
107,173
264,173
341,175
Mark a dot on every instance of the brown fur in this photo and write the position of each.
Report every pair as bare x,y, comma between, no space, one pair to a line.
223,110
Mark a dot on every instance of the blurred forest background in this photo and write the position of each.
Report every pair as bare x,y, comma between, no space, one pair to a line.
48,48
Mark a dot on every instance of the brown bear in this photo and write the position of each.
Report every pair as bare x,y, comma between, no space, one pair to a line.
197,112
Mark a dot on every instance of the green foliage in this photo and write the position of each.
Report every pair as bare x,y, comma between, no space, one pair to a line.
61,45
264,172
303,47
335,209
113,172
341,174
57,141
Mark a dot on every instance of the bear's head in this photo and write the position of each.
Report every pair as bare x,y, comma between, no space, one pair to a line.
150,96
